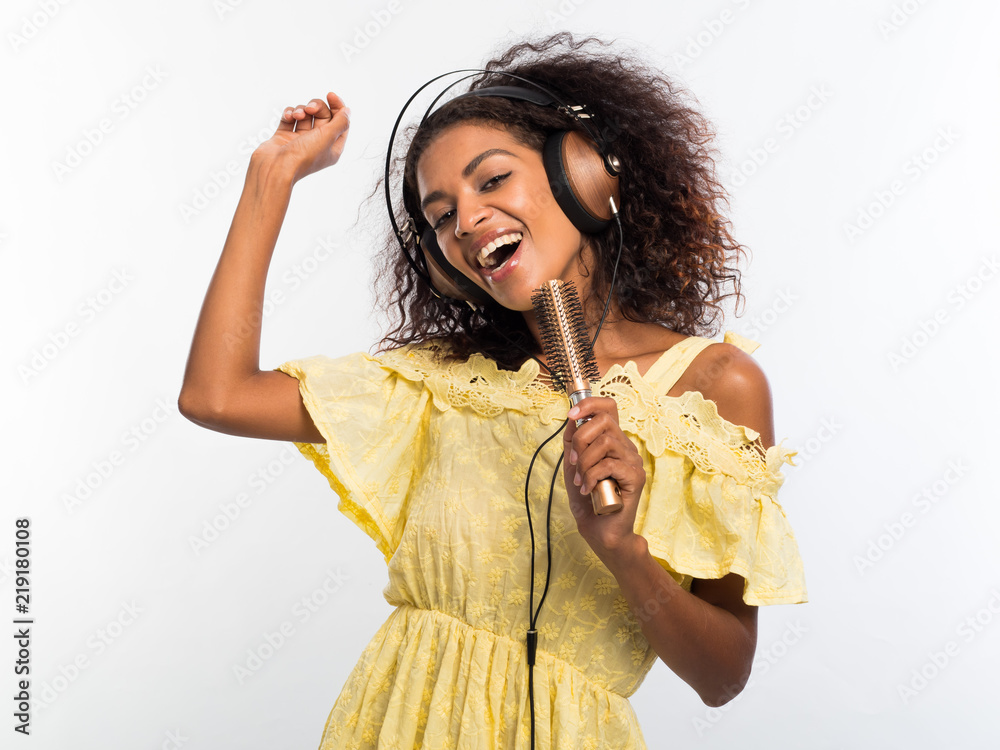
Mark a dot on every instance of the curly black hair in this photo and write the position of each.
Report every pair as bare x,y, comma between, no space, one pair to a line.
678,254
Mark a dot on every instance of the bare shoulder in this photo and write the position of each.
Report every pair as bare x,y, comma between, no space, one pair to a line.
733,379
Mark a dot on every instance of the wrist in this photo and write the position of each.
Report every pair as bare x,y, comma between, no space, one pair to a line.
271,169
627,556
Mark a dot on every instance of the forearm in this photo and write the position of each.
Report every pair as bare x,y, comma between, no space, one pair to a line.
226,346
705,645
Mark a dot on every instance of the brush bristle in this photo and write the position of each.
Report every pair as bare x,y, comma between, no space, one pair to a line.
564,333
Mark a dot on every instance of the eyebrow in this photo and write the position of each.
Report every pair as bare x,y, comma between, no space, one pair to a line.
466,173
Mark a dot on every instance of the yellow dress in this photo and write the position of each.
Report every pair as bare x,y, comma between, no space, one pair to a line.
430,461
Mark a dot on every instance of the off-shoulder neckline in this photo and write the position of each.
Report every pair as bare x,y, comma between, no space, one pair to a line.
629,368
529,374
478,383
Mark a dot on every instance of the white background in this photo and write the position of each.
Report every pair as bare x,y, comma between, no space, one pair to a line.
116,585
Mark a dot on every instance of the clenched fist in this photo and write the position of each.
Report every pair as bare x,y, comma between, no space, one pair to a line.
310,137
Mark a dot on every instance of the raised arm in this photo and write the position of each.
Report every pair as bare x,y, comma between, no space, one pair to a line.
224,388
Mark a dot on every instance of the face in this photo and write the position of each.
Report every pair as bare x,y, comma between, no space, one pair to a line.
489,201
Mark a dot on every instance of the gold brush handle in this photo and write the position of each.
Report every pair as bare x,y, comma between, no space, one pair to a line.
606,496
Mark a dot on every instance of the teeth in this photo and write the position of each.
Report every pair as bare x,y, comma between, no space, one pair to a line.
498,242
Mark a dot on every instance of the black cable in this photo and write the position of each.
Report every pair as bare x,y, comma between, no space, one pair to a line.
532,637
548,518
532,614
515,344
614,275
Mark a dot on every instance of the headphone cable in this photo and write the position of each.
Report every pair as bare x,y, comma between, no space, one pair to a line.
532,635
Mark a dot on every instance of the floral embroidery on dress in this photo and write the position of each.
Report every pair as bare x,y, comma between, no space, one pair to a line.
429,459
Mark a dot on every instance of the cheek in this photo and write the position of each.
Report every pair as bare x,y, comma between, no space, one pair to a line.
447,245
546,213
540,203
453,254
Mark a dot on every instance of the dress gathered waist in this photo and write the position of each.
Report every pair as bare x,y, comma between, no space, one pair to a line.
544,658
431,680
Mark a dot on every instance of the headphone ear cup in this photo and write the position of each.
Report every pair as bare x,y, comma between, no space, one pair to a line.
446,279
580,181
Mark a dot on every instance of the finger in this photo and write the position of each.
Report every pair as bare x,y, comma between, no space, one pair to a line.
341,124
337,127
593,405
335,102
342,120
316,113
590,408
323,111
589,478
628,477
604,446
318,109
292,115
568,434
315,108
607,445
570,455
303,115
287,122
597,425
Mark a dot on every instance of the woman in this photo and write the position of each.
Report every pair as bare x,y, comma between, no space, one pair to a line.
429,443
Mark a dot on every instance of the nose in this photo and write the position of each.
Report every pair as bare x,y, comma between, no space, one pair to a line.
469,213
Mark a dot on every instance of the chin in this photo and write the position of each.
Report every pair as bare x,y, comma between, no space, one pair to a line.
514,302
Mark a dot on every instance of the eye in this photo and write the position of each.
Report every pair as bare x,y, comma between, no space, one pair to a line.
442,219
494,181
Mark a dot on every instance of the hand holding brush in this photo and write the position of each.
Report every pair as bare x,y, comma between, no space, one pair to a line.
571,363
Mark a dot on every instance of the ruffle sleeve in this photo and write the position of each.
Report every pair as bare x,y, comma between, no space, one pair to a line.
706,523
710,506
375,424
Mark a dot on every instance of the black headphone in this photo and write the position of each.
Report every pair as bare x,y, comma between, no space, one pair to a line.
582,172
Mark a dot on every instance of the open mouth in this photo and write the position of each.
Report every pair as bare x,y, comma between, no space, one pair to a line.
499,251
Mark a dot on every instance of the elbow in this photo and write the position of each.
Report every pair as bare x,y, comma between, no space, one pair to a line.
196,409
728,687
733,672
188,405
722,696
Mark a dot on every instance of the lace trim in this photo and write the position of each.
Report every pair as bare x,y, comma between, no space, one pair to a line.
689,424
477,383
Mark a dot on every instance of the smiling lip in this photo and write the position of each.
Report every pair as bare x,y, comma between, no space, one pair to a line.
486,239
496,275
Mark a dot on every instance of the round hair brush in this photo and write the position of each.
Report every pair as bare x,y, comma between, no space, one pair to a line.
571,362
